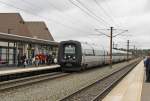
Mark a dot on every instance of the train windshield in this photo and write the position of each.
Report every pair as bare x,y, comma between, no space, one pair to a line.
69,49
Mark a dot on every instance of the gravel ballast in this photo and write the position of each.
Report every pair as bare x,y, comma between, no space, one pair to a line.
52,90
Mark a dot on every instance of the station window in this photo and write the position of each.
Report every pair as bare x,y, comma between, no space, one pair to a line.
11,44
3,43
3,55
7,54
7,57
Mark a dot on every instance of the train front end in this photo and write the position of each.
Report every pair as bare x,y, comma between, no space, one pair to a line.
70,55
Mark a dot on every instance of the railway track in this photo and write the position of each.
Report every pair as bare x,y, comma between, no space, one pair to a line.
6,85
99,89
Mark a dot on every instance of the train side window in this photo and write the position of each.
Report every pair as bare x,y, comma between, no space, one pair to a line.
88,52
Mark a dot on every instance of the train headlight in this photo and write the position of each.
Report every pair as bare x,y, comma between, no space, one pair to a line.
74,57
68,56
65,57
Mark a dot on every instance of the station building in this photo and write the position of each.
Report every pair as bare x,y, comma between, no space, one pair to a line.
18,37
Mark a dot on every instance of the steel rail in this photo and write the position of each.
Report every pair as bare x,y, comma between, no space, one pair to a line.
101,95
6,85
108,88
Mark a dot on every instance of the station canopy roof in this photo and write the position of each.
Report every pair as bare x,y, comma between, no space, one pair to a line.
11,37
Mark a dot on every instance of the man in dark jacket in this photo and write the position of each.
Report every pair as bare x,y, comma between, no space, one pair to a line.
147,66
24,60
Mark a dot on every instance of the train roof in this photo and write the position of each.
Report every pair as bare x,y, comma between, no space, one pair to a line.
120,51
86,45
70,41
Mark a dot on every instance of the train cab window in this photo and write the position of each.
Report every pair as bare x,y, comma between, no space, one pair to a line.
69,52
69,49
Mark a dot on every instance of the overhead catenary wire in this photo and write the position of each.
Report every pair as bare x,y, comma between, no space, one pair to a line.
89,14
51,5
111,12
35,14
60,13
104,11
82,4
68,16
94,13
86,12
91,11
31,5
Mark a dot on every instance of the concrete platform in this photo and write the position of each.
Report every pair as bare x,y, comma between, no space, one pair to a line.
130,88
145,90
15,70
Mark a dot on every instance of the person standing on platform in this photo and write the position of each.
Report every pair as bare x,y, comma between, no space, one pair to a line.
24,58
36,60
49,59
19,60
147,66
144,61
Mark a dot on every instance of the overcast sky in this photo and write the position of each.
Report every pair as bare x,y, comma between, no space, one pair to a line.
78,19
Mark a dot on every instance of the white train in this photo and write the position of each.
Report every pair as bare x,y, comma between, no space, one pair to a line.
76,56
